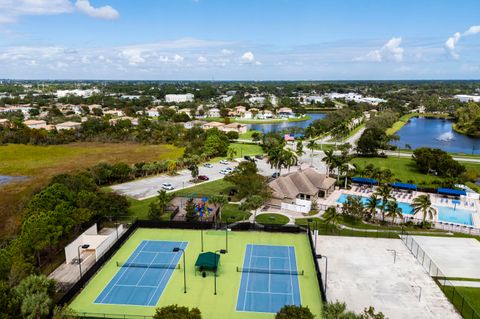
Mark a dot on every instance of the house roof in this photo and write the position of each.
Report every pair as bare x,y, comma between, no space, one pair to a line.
69,124
215,124
30,122
308,181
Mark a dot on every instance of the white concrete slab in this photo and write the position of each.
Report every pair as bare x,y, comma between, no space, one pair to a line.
362,273
455,257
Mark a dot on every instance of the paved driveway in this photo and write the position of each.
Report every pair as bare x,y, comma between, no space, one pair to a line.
148,187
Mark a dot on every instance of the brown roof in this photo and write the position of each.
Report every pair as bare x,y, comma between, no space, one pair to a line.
308,181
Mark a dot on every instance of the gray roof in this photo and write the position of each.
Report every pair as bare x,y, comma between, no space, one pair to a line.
307,181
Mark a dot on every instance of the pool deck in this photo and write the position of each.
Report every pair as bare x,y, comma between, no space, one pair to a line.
437,201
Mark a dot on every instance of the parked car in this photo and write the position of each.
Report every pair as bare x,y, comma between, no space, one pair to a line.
203,178
167,186
208,165
224,162
228,169
259,157
276,174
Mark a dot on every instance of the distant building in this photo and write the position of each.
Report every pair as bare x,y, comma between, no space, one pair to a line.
35,124
81,93
257,99
114,112
315,99
285,112
211,125
467,98
179,98
213,112
68,126
234,127
133,120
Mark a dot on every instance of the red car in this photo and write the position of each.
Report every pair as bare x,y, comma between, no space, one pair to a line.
203,178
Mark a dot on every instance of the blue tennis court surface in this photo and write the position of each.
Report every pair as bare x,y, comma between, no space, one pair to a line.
140,281
269,279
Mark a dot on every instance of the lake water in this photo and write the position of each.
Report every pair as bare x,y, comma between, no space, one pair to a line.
275,127
436,133
4,179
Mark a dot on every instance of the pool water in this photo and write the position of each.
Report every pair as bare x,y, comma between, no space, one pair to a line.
457,216
445,214
407,209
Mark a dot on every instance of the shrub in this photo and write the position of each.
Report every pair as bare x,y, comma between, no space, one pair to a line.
294,312
177,312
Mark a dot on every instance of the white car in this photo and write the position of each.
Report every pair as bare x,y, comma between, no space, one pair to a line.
224,162
208,165
167,186
225,172
228,169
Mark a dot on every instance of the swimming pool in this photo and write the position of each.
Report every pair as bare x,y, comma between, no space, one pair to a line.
457,216
445,214
407,209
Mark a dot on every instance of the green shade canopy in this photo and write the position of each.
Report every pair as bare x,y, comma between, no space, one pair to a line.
207,261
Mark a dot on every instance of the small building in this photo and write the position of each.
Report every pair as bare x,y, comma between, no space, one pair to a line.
467,98
191,124
133,120
68,126
114,112
285,111
36,124
211,125
235,127
296,191
179,98
214,112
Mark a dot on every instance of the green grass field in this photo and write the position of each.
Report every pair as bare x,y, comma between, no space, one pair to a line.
471,295
200,290
405,169
270,218
39,163
248,135
247,149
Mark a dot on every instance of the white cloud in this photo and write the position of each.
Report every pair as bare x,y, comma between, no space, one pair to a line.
105,12
389,51
472,30
202,59
226,52
451,43
247,57
133,56
11,10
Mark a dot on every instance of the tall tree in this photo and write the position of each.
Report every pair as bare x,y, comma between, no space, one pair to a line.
384,192
159,207
331,217
423,204
372,204
253,202
219,201
393,211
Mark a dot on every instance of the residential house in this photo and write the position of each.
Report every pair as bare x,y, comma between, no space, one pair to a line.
132,120
234,127
211,125
68,126
191,124
35,124
114,112
214,112
285,112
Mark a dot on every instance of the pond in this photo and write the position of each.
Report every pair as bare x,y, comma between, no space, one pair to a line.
4,179
436,133
275,127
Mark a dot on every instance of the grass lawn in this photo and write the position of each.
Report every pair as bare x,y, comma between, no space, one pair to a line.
405,168
270,218
247,149
232,213
217,187
199,289
471,295
39,163
247,135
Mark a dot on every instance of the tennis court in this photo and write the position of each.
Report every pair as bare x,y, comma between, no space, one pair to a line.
269,279
143,277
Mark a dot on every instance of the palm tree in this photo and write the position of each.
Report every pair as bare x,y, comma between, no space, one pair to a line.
312,146
219,201
331,217
299,149
384,192
423,204
231,153
289,158
372,203
330,160
393,210
253,202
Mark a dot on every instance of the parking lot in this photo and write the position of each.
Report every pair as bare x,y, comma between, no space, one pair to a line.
148,187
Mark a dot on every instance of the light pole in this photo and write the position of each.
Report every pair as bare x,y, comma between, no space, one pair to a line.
176,250
221,251
326,271
83,246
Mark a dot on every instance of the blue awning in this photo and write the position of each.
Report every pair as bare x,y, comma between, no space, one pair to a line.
404,186
451,192
364,180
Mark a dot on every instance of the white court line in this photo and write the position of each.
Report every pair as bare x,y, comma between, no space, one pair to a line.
124,271
270,293
165,273
291,277
248,277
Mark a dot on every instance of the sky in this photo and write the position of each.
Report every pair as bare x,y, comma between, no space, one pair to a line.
240,39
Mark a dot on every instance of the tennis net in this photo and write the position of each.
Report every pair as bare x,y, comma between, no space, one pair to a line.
271,271
147,265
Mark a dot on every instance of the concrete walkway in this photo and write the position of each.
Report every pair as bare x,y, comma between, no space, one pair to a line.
463,283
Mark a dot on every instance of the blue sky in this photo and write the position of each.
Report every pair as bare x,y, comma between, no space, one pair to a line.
240,40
